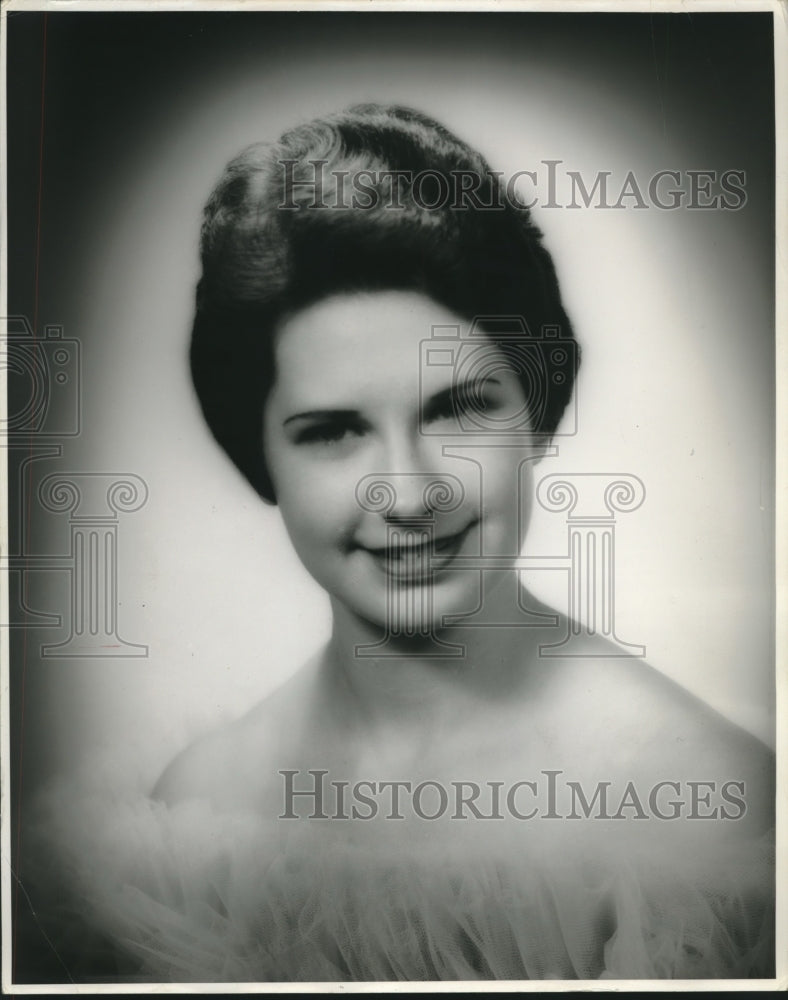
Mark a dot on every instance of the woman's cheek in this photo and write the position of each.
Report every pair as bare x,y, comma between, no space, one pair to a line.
321,504
302,475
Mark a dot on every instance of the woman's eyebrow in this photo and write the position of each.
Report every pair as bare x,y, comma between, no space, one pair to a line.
334,415
462,390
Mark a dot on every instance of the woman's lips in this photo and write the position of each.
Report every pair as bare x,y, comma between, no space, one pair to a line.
415,556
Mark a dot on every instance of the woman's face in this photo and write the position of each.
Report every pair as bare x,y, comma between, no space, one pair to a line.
358,395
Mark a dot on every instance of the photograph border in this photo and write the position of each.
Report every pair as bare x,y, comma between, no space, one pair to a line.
779,9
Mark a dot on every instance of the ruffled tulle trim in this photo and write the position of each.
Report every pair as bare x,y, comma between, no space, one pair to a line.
186,895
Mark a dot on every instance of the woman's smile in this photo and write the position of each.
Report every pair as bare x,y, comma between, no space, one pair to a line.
414,556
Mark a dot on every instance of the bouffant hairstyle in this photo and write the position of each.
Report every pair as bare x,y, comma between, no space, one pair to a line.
373,198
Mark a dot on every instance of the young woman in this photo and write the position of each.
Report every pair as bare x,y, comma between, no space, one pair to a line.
433,795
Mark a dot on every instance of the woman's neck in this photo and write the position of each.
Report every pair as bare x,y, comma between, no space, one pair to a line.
404,685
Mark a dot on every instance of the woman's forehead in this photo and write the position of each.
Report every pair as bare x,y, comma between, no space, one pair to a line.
364,339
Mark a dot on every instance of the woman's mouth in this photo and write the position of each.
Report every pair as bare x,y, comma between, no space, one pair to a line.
413,555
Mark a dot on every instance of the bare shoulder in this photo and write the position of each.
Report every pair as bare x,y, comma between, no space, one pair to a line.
235,766
635,723
198,771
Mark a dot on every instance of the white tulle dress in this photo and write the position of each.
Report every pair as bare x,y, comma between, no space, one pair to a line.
184,894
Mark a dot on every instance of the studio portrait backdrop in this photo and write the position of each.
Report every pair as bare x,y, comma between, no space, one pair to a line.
644,144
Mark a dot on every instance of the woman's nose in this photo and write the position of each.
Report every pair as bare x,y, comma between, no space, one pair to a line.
410,476
415,483
410,492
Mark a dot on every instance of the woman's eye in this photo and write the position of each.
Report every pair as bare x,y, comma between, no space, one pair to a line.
445,409
325,433
456,405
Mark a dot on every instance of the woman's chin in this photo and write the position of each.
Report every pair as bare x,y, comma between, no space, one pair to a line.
415,610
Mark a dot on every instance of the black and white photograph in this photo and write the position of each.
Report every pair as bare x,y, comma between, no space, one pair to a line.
391,575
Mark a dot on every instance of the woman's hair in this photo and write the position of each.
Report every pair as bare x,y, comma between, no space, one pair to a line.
373,198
